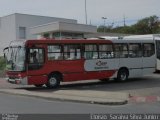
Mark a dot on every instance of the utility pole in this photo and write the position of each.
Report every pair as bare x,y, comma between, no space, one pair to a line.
104,18
124,20
86,11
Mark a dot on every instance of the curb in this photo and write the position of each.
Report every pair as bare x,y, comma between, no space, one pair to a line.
69,98
144,99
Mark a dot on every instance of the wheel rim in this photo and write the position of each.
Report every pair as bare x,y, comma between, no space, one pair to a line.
53,81
123,76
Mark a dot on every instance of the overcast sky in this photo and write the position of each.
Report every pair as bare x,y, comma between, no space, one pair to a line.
113,10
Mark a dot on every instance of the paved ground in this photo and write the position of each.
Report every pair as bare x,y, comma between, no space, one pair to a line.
143,97
85,96
32,105
144,89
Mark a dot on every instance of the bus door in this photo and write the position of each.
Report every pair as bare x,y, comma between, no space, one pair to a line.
149,58
130,56
35,63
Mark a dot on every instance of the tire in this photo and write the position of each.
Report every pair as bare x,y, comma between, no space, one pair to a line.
122,75
38,85
53,81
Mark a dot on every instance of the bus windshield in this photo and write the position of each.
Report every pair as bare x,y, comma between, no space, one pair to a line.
15,58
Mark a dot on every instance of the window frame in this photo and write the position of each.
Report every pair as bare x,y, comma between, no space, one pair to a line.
22,30
153,50
84,51
108,52
121,51
61,52
134,51
75,51
35,66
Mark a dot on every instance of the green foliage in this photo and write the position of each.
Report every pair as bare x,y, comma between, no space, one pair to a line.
148,25
104,29
2,63
126,29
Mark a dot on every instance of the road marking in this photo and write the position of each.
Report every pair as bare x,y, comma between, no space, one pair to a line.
144,99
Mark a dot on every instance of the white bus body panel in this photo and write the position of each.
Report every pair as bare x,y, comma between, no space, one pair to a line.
134,65
101,64
158,65
149,64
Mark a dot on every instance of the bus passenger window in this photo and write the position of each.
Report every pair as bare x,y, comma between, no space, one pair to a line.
135,50
55,52
121,50
148,50
72,52
91,52
106,51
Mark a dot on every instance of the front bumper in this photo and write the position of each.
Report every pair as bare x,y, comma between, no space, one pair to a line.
22,81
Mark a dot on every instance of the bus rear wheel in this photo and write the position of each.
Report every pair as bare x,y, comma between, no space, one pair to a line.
53,81
122,75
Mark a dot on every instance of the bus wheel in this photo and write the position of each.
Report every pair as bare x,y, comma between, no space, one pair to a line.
39,85
53,81
122,75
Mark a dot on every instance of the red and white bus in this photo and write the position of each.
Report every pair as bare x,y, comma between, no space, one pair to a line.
49,62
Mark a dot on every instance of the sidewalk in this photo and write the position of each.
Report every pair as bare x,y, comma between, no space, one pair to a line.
85,96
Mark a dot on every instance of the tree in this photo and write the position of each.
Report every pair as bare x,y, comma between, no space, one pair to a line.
148,25
104,29
125,30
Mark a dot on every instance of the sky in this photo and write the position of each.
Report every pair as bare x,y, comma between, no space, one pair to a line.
113,10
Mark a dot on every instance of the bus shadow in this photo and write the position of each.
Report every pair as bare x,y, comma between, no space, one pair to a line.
131,84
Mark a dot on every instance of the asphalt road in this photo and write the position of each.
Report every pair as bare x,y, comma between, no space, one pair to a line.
36,108
146,86
30,105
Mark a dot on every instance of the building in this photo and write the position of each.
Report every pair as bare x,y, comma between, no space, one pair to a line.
60,30
22,26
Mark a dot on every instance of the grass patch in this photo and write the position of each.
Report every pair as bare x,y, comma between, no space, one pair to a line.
2,66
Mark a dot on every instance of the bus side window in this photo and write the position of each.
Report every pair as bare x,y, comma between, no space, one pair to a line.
55,52
148,49
72,52
121,50
105,51
91,51
135,50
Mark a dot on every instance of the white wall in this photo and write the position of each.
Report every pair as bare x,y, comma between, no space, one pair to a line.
7,31
28,21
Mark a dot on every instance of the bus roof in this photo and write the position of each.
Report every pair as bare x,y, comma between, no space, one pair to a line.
68,41
104,39
142,37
